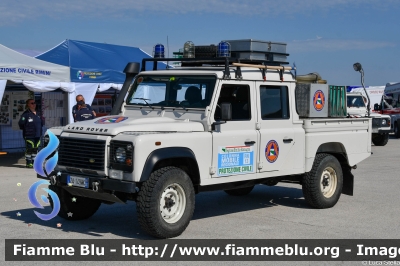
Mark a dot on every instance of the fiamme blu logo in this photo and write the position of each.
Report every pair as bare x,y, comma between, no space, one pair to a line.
44,166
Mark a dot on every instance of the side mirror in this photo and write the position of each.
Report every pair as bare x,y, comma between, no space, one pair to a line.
226,111
377,107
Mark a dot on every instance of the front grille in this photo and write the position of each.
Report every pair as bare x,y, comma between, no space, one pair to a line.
376,122
82,153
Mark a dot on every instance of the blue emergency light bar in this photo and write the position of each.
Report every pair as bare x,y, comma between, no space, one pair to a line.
158,51
224,49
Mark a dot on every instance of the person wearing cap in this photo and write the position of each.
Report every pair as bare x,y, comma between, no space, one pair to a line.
75,107
83,112
31,125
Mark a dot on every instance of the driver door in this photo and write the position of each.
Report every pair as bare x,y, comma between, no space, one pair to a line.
235,142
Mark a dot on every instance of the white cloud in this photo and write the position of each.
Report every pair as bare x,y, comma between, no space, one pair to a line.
13,11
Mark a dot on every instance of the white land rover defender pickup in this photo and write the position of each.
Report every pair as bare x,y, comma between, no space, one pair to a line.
213,123
380,123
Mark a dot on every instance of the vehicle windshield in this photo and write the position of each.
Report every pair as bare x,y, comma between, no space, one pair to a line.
355,101
390,101
172,91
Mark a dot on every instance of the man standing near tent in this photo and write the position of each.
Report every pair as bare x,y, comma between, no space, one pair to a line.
31,125
75,107
83,112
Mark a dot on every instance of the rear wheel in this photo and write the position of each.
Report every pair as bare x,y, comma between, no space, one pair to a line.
74,207
322,186
165,202
239,191
380,139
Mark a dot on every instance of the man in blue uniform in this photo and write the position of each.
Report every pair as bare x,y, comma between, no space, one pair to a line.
75,107
83,112
31,125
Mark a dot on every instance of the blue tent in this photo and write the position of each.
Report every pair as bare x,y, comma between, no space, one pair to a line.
92,62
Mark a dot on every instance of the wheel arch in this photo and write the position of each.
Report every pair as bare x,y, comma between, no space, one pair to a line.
338,150
180,157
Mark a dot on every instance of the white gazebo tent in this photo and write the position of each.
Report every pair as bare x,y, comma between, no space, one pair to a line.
24,69
18,67
41,76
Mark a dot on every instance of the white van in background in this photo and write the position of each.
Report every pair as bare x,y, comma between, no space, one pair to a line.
356,107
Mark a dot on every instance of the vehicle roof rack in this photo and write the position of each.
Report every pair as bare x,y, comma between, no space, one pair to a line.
222,61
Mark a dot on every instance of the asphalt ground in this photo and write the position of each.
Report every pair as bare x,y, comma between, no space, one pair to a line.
278,212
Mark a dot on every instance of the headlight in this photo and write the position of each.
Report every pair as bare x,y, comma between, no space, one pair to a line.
120,155
385,122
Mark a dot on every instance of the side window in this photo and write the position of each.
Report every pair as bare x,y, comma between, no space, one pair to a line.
274,102
239,98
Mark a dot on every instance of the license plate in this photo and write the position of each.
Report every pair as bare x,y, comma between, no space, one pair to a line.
78,181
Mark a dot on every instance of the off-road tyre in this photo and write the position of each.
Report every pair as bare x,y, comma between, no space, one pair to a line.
165,202
396,130
380,139
323,185
78,208
239,191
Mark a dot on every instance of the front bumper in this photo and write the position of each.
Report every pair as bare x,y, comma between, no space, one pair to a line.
381,131
106,189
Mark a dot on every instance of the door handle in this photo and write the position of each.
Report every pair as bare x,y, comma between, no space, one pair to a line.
287,140
249,142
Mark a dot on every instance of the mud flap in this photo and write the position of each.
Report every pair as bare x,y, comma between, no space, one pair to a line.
348,182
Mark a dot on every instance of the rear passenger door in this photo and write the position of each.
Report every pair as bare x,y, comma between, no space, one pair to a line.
277,137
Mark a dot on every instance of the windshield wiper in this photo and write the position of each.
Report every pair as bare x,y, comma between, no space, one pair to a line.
183,107
145,100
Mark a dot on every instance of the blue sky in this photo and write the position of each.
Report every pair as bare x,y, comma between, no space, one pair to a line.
324,36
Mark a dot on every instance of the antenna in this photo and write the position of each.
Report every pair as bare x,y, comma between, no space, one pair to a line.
167,46
167,66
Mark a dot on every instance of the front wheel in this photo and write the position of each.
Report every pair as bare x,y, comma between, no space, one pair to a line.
380,139
165,203
322,186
